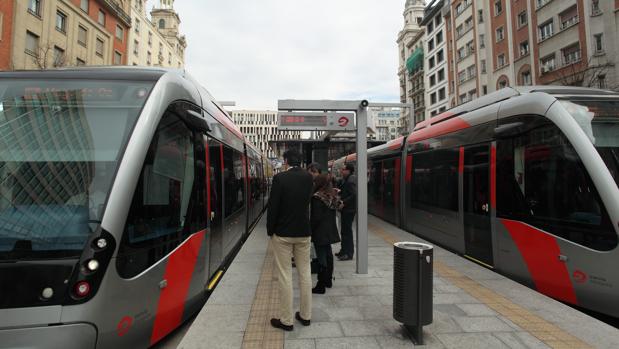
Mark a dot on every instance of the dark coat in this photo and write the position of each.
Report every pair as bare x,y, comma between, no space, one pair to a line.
324,227
288,212
348,194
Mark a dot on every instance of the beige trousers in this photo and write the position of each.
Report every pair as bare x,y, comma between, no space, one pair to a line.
284,248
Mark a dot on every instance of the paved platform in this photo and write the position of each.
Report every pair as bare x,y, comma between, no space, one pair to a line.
473,307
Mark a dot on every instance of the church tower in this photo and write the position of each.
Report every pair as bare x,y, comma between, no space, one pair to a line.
167,21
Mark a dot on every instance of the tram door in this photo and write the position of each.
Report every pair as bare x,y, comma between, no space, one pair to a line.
215,150
476,191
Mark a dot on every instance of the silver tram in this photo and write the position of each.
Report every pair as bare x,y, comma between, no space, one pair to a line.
124,193
523,181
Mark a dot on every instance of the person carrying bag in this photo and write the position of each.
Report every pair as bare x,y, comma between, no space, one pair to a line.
324,205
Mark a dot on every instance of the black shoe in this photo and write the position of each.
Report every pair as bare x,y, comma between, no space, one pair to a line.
278,324
344,257
301,320
319,289
338,254
329,284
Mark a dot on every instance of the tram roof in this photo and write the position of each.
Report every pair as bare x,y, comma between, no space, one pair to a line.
95,72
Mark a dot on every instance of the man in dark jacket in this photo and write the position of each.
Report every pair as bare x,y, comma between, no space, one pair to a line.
289,228
348,194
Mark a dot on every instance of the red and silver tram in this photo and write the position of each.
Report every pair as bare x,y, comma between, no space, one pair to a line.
523,180
124,193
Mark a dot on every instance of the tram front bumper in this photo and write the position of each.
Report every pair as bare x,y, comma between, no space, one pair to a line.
71,336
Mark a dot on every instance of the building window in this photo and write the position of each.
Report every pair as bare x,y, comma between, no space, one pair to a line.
432,98
498,7
58,57
480,16
440,56
80,62
84,5
546,30
441,75
461,53
162,24
438,20
32,44
471,71
597,42
148,58
500,60
482,41
526,78
169,59
462,76
524,48
99,47
602,80
160,48
118,58
101,19
136,47
569,17
150,38
502,83
61,22
430,27
82,35
431,45
484,90
571,54
522,19
441,94
500,34
483,66
541,3
432,80
595,7
120,33
462,98
431,62
547,63
439,37
34,7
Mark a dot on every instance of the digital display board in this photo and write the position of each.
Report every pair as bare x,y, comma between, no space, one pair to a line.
313,121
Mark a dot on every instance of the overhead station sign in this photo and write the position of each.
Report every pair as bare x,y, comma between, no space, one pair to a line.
315,121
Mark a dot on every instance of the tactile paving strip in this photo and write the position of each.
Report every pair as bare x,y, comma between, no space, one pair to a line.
259,332
546,332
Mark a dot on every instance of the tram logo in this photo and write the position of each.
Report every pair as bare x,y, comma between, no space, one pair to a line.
124,325
343,121
579,276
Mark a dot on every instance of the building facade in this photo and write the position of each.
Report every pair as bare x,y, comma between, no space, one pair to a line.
41,34
499,43
435,59
260,127
156,41
410,70
386,123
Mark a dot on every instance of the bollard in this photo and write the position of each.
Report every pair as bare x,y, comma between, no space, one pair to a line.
412,286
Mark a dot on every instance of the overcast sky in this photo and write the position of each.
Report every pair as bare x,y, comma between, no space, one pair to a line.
255,52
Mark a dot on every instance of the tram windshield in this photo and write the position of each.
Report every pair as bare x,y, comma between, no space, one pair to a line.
600,122
60,143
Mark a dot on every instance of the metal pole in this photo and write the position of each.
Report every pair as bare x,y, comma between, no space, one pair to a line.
362,190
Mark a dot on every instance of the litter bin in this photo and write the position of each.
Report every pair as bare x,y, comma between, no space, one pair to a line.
412,286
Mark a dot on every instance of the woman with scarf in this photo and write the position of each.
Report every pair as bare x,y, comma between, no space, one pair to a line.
324,205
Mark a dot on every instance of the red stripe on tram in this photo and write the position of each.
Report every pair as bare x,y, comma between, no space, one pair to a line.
493,176
179,270
409,168
539,251
461,161
396,183
208,181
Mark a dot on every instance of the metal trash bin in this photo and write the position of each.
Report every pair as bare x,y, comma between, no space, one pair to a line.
412,286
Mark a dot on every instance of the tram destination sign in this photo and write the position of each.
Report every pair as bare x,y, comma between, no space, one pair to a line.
315,121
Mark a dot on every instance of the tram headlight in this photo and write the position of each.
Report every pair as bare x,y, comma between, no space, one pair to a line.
82,289
92,265
101,243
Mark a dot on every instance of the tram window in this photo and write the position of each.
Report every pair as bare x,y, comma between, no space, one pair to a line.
215,182
234,189
542,181
168,200
435,179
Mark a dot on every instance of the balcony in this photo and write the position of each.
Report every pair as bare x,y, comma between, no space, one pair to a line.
569,22
541,3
